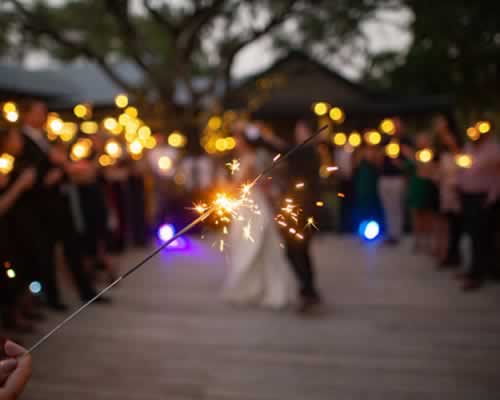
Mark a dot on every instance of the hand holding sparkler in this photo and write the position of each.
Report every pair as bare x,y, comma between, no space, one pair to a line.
14,371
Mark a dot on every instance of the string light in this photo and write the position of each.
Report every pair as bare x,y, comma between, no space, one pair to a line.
392,150
12,116
144,132
339,139
354,139
215,123
373,137
105,160
81,111
89,127
113,149
121,100
463,160
110,124
54,124
135,148
81,149
387,126
473,133
424,155
176,139
132,112
336,114
9,106
150,143
165,163
320,108
6,163
483,127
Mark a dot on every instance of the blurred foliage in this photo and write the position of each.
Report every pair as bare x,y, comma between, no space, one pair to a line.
455,51
174,41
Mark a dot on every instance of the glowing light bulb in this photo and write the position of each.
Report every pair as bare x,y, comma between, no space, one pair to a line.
336,114
387,126
113,149
320,108
354,139
164,163
392,150
425,155
121,101
339,139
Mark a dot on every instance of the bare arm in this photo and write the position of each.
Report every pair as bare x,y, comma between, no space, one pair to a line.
25,181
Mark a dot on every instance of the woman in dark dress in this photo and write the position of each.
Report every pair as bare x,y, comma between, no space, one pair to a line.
15,274
94,213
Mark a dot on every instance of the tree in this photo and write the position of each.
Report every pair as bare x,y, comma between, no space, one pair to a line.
172,44
455,51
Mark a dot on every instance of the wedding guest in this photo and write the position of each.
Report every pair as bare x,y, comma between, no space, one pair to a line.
422,195
14,294
366,176
449,256
392,188
303,167
51,221
480,191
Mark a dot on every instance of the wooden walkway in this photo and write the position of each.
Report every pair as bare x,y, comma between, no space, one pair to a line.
394,329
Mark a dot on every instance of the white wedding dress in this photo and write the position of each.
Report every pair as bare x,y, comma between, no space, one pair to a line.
259,273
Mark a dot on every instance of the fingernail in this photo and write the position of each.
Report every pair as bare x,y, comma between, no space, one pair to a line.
13,349
7,366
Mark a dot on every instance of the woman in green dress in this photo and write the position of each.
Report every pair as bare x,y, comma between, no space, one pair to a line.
366,199
422,192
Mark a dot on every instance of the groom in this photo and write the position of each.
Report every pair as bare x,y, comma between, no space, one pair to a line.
303,166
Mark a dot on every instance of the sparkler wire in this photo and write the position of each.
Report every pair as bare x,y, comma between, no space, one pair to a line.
184,230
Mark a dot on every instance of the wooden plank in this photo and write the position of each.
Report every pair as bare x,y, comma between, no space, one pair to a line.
394,329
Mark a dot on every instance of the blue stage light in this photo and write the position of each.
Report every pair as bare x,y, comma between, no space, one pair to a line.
369,230
167,232
35,287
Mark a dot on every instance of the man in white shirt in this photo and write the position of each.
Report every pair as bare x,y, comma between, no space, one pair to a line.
479,186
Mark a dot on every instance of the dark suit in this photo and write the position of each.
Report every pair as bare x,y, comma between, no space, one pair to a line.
48,220
303,166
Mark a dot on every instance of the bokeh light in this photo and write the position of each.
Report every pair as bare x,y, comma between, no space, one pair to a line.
320,108
369,229
339,139
121,101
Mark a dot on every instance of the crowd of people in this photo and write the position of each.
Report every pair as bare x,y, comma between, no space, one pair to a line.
447,189
56,212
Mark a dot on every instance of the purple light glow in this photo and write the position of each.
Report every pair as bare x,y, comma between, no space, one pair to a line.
167,232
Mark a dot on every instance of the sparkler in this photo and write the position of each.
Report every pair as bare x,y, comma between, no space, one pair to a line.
223,207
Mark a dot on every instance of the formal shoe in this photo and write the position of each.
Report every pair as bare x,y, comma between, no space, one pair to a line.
308,305
470,285
57,306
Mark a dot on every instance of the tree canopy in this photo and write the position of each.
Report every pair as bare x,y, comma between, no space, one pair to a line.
455,51
173,42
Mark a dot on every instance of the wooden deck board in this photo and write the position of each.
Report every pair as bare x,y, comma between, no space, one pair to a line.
394,328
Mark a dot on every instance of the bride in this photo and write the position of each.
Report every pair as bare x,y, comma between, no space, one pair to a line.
259,273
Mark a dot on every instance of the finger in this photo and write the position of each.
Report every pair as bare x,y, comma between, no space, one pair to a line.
17,380
13,349
6,368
